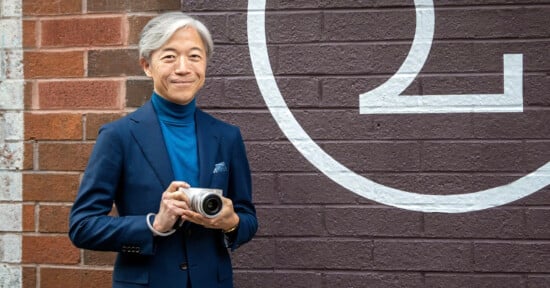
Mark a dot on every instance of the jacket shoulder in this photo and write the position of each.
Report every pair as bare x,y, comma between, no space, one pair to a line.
123,122
223,126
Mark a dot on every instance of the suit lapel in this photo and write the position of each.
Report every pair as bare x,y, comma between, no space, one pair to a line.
208,142
147,132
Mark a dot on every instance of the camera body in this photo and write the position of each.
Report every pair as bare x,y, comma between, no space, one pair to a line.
205,201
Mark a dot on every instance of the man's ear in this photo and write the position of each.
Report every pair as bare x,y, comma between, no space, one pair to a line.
145,66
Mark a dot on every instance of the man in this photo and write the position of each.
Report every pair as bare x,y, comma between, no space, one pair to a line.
146,161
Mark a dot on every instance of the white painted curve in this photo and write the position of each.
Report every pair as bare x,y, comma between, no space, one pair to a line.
350,180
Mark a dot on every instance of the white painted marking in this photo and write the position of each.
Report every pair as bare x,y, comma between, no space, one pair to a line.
386,99
340,174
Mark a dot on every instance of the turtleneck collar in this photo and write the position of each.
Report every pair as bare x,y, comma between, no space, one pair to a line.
169,112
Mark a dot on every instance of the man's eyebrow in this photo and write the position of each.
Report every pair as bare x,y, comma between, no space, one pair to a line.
170,49
197,48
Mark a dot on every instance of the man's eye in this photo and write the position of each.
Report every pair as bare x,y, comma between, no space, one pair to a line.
168,57
195,57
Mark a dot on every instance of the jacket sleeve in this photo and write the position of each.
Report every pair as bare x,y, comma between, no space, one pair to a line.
90,225
240,192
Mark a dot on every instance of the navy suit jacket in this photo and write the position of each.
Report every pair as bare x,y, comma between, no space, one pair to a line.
130,167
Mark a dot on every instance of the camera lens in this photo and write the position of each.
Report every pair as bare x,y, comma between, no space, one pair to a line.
212,204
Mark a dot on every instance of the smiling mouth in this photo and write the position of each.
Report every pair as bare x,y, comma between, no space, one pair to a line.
182,82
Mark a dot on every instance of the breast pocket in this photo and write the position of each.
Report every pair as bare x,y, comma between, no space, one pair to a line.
220,180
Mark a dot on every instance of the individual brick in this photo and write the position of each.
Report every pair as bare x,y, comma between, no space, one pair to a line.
153,5
11,213
96,31
80,94
28,91
294,279
323,253
53,219
64,156
511,257
495,23
136,24
28,156
49,250
374,279
264,189
301,221
538,281
295,27
97,6
29,217
370,25
101,64
340,58
98,258
95,120
259,254
29,33
313,188
373,221
138,92
29,277
53,126
376,156
50,187
535,222
70,277
230,60
41,64
276,157
500,223
254,126
473,156
42,8
473,280
423,255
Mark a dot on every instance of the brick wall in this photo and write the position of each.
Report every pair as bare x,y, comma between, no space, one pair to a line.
80,61
81,70
11,142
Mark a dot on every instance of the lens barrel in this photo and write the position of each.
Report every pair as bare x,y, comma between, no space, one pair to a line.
212,205
207,202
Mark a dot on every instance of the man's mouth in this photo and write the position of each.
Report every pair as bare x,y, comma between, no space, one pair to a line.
182,82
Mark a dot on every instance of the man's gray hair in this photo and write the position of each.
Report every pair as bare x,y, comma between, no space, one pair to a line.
159,29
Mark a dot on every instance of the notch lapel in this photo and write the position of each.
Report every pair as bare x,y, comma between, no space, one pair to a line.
208,142
146,130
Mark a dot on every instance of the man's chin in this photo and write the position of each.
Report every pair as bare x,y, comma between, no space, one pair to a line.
182,99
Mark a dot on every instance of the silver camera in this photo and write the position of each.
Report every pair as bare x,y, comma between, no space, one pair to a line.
207,202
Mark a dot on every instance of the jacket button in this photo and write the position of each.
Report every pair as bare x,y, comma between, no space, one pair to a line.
183,266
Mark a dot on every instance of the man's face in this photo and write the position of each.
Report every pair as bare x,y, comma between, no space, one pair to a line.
178,67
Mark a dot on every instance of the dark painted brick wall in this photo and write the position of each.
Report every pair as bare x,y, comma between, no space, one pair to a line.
315,233
324,53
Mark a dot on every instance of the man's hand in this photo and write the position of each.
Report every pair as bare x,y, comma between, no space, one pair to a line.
172,206
226,220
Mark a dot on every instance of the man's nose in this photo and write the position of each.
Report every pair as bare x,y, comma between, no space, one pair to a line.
182,65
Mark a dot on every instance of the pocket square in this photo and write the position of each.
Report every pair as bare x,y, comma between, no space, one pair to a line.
219,168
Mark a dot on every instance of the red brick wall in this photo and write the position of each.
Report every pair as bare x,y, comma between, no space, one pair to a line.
81,71
78,57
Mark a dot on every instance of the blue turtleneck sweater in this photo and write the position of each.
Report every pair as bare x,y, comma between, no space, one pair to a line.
178,128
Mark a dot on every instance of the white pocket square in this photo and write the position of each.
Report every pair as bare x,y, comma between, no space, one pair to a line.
219,168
